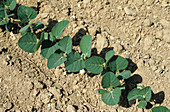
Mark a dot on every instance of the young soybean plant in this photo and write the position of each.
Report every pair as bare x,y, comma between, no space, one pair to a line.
74,62
111,80
5,7
28,41
142,94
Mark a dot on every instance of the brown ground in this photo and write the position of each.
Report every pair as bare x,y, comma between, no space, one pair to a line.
136,29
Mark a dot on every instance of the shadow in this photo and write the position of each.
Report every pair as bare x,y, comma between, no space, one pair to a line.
51,24
131,65
158,98
77,37
130,84
104,51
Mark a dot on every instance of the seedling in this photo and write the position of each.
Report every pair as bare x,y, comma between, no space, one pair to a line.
142,94
28,41
5,7
59,51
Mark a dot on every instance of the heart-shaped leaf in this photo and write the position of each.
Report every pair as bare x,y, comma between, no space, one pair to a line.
65,44
111,98
74,62
94,64
110,80
55,60
160,109
48,48
28,42
142,104
118,63
146,92
11,4
124,75
134,94
109,55
140,94
58,29
26,14
102,91
38,25
85,45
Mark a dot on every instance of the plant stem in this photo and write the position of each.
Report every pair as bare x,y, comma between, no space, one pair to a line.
121,88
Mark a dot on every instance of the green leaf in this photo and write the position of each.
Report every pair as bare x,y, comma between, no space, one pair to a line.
94,64
118,63
24,29
140,94
58,29
142,104
45,36
110,80
48,48
160,109
26,14
28,42
146,93
85,45
111,98
2,10
38,25
41,40
11,4
74,62
102,91
109,55
124,75
65,44
55,60
134,94
2,22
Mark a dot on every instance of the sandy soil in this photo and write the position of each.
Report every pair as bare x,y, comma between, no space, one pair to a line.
138,30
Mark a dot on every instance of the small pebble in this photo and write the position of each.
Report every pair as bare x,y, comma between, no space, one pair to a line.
128,11
147,22
71,108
